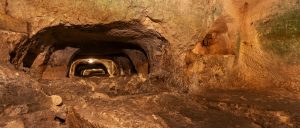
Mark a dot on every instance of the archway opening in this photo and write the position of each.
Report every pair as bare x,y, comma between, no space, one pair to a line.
51,52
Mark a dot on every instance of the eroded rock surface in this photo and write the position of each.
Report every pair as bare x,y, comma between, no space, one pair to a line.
87,106
177,63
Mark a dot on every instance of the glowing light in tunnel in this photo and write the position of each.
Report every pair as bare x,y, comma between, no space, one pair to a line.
91,61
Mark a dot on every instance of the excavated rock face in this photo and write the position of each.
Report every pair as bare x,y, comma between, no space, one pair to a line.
103,63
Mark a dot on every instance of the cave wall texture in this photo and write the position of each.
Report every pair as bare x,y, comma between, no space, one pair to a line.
263,35
199,63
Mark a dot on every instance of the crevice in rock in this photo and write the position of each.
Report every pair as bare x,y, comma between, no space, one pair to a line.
216,41
207,41
60,120
154,20
6,7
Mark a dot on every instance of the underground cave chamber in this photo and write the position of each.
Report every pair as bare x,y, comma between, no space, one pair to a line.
110,50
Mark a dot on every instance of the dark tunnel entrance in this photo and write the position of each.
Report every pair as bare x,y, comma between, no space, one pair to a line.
90,70
120,49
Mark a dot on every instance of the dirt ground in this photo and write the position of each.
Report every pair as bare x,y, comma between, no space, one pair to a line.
27,103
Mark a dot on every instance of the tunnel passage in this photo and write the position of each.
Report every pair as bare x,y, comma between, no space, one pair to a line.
66,51
88,67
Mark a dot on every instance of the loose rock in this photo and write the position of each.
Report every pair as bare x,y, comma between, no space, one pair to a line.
56,100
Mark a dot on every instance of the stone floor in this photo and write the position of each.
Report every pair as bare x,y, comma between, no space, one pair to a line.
28,103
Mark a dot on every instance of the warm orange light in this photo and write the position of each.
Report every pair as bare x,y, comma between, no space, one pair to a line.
91,61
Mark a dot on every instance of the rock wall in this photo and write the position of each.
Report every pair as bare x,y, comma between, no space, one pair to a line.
190,46
263,36
258,64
